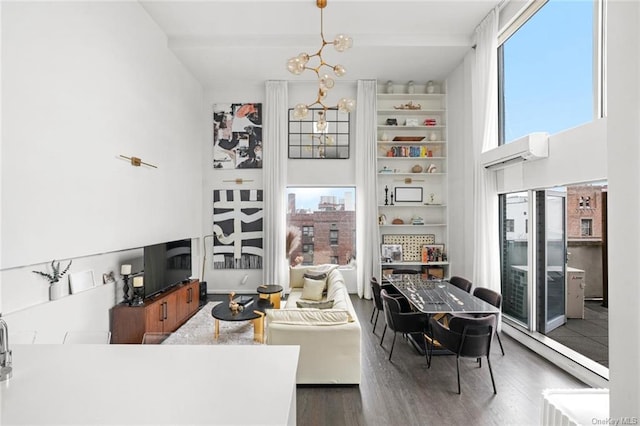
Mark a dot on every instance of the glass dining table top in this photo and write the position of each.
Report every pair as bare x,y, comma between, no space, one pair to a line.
438,296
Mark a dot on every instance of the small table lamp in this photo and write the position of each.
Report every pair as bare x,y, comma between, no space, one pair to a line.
125,271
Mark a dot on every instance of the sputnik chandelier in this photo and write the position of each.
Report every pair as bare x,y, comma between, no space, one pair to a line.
298,64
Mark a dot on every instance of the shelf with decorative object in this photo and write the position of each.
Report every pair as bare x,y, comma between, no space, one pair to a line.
416,263
412,176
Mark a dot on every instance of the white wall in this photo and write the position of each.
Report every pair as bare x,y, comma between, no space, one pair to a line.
460,170
623,143
83,82
299,172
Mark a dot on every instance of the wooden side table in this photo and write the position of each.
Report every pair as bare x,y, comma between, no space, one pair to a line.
271,292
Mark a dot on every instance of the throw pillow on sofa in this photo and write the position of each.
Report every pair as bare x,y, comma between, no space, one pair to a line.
323,304
312,289
318,277
296,273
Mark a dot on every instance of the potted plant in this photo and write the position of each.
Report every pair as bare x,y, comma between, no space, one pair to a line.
56,289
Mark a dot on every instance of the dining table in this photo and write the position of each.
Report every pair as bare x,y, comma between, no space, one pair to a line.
436,298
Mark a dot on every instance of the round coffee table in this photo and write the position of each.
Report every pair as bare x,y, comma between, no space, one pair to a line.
271,293
253,312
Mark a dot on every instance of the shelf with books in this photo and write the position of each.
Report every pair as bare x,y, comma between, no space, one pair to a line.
412,167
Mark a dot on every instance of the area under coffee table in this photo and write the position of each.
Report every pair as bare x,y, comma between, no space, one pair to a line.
254,313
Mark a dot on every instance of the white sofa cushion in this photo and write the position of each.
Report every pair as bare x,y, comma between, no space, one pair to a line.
312,289
307,316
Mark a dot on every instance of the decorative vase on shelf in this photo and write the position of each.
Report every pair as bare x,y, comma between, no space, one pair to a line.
430,87
384,137
389,86
410,88
56,290
433,136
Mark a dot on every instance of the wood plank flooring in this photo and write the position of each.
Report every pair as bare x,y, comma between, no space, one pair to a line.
405,392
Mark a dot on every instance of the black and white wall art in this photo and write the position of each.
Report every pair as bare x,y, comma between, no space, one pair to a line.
237,229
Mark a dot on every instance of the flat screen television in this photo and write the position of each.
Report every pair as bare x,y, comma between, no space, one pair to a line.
166,265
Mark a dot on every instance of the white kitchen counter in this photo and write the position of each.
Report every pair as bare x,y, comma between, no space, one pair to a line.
150,384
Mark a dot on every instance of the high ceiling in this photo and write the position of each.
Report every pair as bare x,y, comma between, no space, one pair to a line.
220,40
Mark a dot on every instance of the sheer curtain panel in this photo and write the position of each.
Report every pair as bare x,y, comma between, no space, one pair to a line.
274,170
368,240
486,265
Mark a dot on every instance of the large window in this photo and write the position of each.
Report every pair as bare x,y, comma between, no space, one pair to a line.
547,71
554,278
326,219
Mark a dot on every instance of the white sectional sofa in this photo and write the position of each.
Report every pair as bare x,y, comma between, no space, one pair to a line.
329,338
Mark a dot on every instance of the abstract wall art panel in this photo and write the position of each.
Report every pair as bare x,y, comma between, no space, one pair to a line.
237,136
237,229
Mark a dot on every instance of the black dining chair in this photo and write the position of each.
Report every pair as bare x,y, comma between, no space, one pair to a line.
376,287
461,283
493,298
377,301
466,337
400,321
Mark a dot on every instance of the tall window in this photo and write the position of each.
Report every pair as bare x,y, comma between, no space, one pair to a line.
546,71
333,237
326,218
586,227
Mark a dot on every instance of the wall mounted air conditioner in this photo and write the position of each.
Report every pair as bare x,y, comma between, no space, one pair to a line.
531,147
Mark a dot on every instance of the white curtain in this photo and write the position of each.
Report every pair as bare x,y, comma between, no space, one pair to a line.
274,170
368,238
486,262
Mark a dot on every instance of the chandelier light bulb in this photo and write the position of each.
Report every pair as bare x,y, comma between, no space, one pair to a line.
327,82
295,66
346,105
300,112
342,42
321,125
304,58
339,70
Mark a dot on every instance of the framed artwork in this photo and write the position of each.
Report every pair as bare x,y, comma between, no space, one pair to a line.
411,194
237,136
391,253
433,253
237,229
411,244
81,281
308,140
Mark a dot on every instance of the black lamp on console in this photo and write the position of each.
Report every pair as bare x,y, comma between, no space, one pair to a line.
138,291
125,271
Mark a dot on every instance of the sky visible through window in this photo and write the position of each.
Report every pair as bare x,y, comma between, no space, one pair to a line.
548,70
308,197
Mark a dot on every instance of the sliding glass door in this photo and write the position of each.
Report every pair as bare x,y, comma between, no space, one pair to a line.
514,230
552,282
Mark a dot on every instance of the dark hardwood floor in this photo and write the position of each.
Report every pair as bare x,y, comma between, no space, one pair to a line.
405,392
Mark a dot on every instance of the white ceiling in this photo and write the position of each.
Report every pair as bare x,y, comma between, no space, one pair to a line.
220,40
